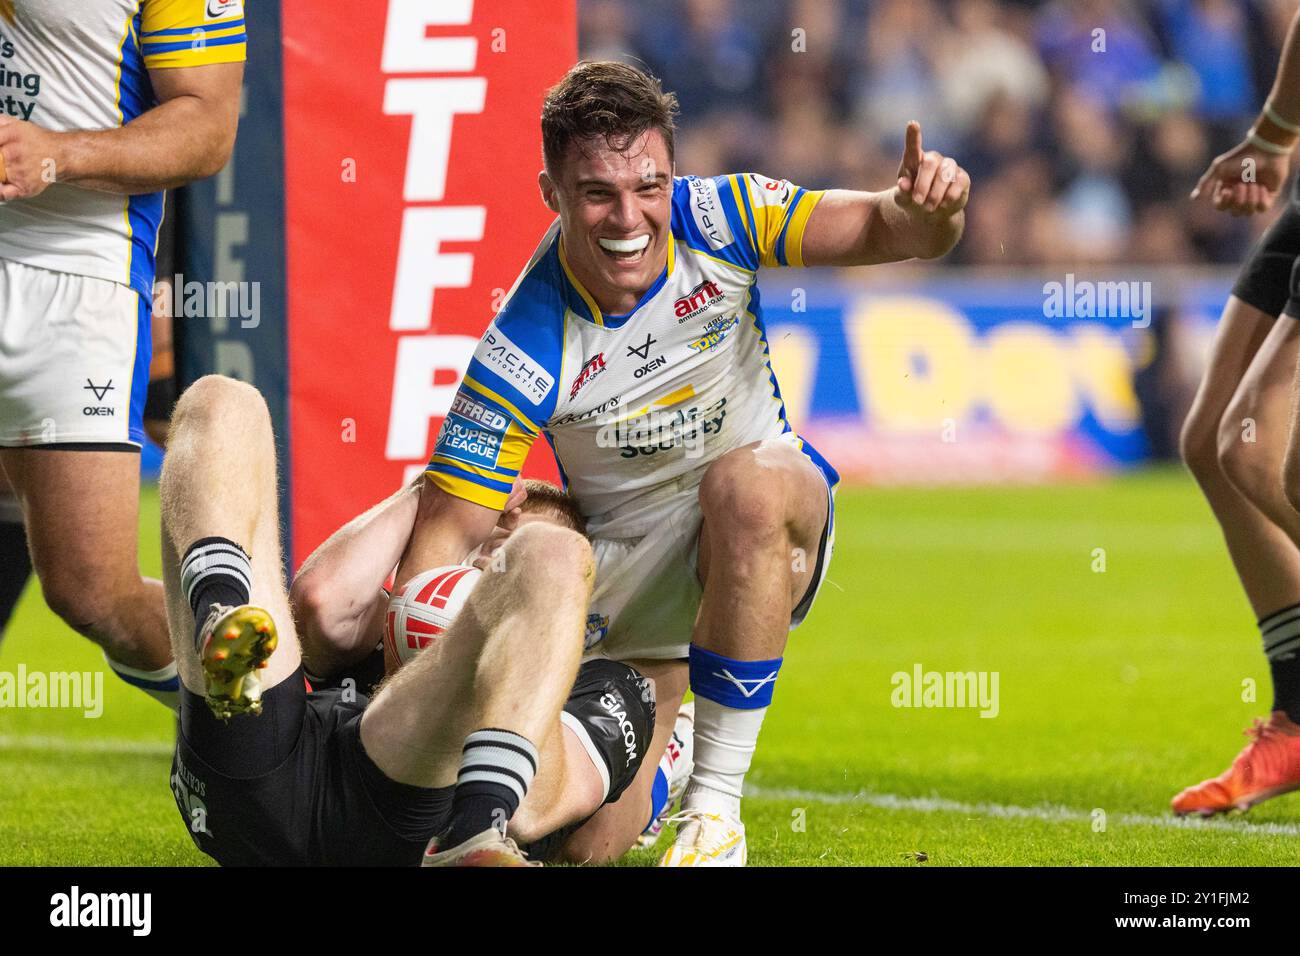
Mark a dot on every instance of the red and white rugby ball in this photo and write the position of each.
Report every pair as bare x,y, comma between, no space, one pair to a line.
425,607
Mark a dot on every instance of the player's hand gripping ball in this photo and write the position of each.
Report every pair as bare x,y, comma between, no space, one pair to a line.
425,607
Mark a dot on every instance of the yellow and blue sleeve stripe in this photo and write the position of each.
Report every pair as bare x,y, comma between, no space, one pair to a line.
788,249
176,33
774,232
481,448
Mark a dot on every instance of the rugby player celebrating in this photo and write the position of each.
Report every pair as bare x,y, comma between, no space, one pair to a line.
634,340
118,100
1253,483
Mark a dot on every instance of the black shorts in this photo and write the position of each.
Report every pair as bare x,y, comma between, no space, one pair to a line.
612,711
602,734
295,787
1270,279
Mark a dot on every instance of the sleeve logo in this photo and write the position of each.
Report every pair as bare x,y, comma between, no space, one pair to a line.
472,432
706,208
221,9
769,192
514,365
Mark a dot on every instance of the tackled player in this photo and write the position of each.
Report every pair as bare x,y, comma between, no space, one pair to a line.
443,758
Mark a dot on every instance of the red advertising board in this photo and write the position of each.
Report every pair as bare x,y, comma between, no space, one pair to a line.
411,156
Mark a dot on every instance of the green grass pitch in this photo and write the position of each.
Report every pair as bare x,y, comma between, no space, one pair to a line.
1116,688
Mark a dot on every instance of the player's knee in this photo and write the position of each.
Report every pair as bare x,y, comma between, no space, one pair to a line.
1237,454
593,844
1198,444
83,598
745,502
215,401
550,553
1291,479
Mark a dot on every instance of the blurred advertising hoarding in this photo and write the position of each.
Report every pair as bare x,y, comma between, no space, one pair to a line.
970,378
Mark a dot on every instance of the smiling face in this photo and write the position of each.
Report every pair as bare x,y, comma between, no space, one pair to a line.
614,209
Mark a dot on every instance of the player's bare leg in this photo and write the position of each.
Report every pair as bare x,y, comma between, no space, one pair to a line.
483,711
1233,443
616,826
1266,559
15,561
218,491
83,547
1255,427
765,506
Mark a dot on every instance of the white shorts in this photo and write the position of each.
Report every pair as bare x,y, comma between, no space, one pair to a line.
74,359
647,591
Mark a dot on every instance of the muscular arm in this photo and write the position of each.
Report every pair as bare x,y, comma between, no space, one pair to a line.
921,217
338,590
189,135
860,229
336,596
446,529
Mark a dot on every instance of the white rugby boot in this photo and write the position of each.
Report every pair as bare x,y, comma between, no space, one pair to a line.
677,762
706,839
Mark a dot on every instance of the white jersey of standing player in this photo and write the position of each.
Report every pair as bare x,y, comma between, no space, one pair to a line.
82,65
636,406
77,264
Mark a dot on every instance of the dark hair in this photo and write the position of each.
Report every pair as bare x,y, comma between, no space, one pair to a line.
604,98
548,499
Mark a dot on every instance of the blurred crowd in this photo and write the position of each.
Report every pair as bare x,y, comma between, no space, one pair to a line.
1084,123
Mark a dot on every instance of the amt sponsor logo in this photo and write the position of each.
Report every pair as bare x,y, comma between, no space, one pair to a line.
590,369
700,299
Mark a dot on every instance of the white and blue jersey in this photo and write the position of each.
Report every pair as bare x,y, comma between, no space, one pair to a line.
635,406
76,264
83,65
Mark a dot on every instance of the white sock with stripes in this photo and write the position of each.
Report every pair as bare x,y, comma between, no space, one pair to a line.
215,571
496,769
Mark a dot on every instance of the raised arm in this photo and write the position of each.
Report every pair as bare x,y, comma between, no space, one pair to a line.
1246,178
189,135
920,217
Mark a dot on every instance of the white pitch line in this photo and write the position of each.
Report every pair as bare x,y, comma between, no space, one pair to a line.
1052,813
70,745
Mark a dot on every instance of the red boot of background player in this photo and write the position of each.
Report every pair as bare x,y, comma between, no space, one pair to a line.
1268,766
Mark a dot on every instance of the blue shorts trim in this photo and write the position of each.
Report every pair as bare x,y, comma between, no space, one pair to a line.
140,371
